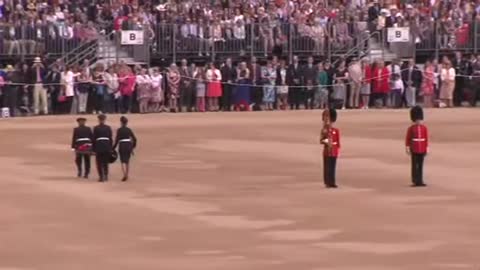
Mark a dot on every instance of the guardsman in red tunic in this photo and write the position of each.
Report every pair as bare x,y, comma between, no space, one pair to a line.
330,138
416,143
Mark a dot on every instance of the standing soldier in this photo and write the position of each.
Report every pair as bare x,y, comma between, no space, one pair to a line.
330,138
126,142
417,145
102,146
82,145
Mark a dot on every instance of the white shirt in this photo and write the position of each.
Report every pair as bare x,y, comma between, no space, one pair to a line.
157,81
185,30
448,75
396,69
112,81
398,85
68,78
239,32
210,74
143,79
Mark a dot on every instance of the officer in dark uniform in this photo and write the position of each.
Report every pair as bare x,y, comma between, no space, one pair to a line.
126,142
82,145
102,146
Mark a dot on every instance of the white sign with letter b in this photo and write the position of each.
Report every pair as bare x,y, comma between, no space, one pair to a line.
131,37
398,34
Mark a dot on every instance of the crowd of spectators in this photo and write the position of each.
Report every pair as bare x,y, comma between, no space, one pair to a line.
244,86
304,25
232,25
38,27
203,26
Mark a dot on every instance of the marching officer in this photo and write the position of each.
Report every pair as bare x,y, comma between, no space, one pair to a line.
102,146
330,138
417,145
126,142
82,145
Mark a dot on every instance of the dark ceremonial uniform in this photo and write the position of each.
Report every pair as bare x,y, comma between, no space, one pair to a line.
126,142
330,138
102,146
82,144
416,141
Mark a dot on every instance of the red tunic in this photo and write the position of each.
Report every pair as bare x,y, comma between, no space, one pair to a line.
334,150
417,139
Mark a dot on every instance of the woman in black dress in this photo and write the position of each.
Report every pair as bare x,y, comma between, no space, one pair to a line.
126,142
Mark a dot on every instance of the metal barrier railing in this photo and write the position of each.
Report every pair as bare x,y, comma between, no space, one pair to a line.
52,40
174,41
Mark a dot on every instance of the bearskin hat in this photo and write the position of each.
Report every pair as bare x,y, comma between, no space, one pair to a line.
416,113
333,115
329,115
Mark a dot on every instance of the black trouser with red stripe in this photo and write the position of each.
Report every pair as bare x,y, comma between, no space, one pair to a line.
329,167
103,160
417,168
85,158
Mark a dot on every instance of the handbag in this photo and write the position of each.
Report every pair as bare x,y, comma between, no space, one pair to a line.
339,92
61,97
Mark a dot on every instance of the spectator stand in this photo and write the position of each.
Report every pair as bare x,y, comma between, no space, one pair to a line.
24,42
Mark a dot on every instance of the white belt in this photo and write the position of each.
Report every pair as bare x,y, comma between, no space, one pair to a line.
83,140
125,140
418,140
103,139
334,143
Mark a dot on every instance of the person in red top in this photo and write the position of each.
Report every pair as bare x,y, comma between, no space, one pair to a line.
365,89
330,138
416,143
380,84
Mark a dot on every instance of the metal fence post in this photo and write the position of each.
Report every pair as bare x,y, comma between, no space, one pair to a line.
475,35
369,47
436,38
252,39
290,42
22,46
147,44
63,49
329,42
117,45
174,43
213,50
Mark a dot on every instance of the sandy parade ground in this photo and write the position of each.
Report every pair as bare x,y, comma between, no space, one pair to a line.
243,191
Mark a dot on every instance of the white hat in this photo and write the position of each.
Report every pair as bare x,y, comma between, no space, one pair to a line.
37,60
385,11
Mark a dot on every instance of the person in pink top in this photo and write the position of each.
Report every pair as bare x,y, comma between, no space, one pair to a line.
126,87
214,88
173,78
427,85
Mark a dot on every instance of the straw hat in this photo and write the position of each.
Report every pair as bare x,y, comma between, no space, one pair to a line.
9,68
